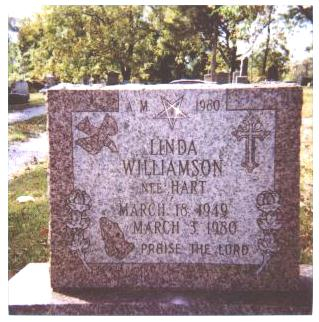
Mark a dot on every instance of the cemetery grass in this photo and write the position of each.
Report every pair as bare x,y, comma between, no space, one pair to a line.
36,99
28,222
307,102
306,176
23,131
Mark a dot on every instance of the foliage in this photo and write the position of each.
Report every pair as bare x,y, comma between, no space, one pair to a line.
23,131
14,59
14,55
278,56
75,41
149,43
157,43
272,50
28,222
303,69
299,15
177,46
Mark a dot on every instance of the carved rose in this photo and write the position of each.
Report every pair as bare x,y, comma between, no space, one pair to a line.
268,245
79,201
268,201
269,221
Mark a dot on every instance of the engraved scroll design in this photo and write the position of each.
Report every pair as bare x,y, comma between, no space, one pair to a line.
250,129
79,202
98,137
268,203
114,240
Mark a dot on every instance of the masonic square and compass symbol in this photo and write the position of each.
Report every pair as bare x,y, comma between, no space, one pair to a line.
171,111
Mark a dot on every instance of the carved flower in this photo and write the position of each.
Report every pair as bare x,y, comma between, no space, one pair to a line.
79,243
79,201
77,221
269,221
268,244
268,201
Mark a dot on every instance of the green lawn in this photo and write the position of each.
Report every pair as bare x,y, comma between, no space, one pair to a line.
306,179
36,99
23,131
28,223
307,102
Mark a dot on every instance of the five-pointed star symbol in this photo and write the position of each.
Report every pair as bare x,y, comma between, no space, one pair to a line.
171,111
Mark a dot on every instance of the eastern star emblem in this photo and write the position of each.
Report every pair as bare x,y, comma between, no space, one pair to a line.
171,111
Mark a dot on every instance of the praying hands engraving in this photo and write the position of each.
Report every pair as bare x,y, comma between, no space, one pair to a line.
98,137
114,240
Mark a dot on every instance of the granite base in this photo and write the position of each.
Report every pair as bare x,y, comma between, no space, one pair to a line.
30,293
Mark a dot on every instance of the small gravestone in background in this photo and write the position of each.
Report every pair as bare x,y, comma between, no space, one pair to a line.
208,77
235,75
243,74
113,78
86,79
273,73
244,67
19,93
20,87
242,79
222,78
174,186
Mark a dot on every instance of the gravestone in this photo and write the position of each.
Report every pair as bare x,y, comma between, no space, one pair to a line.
273,73
112,78
244,67
235,75
19,93
86,80
20,87
242,80
222,78
177,186
208,77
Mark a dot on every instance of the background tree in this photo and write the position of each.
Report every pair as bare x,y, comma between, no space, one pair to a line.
14,55
179,49
152,43
75,41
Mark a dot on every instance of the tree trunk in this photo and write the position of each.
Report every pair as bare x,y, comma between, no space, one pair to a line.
264,65
215,19
233,59
214,46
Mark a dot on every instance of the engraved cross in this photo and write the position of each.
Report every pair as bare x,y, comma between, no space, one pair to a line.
250,129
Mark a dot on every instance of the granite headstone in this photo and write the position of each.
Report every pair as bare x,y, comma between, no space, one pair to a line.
177,186
235,75
244,67
20,87
222,78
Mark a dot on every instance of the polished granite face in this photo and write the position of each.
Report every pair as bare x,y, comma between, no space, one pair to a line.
174,186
